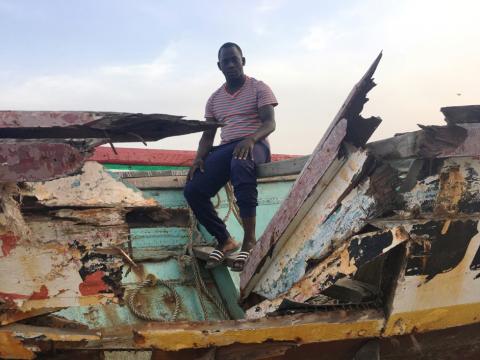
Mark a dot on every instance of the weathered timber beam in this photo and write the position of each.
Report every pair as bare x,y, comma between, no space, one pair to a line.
282,168
343,127
345,261
16,339
431,142
116,127
461,114
11,316
301,328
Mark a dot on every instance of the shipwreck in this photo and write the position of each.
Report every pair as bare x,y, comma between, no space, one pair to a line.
366,250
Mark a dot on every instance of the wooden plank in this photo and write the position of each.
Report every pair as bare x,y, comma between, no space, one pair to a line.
116,127
304,328
154,156
282,168
461,114
431,142
95,216
321,159
24,332
345,261
178,182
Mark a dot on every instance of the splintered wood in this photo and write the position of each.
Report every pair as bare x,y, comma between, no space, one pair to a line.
56,252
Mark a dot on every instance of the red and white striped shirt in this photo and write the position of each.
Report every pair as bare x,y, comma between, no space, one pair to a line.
239,111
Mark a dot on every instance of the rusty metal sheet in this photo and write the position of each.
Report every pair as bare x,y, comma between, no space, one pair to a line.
345,126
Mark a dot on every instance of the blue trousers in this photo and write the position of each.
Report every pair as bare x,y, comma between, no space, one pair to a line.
220,166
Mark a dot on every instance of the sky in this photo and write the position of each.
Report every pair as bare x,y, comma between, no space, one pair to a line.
156,56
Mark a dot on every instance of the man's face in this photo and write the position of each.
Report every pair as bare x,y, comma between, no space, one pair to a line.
231,63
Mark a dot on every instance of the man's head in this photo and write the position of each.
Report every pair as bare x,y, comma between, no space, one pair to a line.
231,61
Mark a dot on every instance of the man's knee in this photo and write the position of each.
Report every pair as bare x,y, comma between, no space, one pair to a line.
242,171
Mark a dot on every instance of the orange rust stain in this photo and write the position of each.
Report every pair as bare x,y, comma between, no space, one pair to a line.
12,348
452,187
41,294
93,284
9,242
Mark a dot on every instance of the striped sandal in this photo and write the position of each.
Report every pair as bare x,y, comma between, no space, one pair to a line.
216,257
240,260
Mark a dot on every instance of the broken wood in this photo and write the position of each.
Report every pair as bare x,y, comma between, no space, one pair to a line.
341,128
431,142
95,187
461,114
345,261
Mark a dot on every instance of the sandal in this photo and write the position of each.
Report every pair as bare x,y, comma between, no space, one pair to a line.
240,260
216,257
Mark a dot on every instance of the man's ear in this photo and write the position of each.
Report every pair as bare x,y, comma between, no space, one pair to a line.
218,64
243,61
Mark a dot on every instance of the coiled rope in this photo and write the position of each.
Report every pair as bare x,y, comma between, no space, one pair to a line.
150,282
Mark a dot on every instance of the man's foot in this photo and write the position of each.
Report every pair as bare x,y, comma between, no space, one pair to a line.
240,260
217,256
229,246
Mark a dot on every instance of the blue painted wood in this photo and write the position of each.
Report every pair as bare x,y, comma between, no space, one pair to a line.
349,218
158,237
168,198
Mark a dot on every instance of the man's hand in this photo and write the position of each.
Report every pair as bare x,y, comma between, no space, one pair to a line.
244,149
197,164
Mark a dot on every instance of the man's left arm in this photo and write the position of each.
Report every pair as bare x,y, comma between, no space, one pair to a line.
244,149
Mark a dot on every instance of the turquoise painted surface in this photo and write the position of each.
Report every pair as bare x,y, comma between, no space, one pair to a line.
158,301
126,167
169,198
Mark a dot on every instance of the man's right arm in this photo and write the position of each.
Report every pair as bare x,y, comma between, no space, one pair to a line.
204,146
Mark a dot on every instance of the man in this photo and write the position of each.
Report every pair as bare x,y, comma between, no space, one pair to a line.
244,106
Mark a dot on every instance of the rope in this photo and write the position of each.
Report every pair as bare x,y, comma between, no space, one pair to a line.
151,281
232,205
201,288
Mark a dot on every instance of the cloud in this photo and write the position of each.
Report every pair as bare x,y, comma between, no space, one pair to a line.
269,5
319,37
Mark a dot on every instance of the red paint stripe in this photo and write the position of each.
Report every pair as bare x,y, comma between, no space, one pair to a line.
154,156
